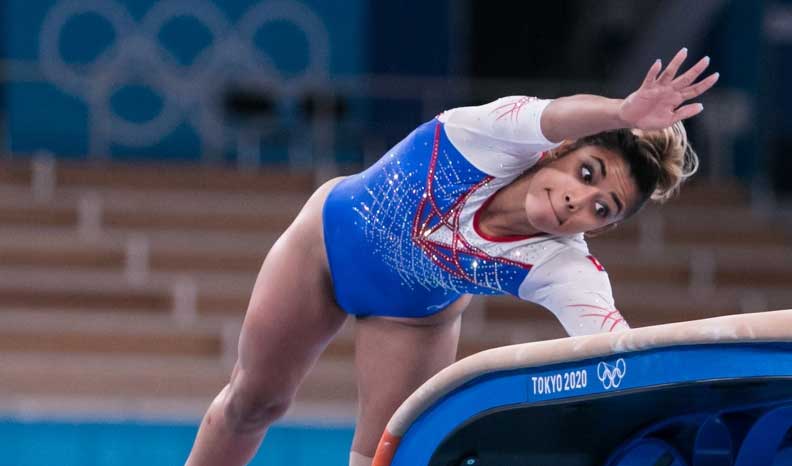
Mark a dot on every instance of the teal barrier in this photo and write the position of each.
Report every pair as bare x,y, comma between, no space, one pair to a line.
47,443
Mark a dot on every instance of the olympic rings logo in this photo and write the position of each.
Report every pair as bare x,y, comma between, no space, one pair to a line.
136,56
611,376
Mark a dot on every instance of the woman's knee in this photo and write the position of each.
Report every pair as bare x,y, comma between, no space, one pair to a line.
248,409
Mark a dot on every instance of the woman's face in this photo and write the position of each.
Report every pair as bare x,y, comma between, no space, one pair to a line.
583,191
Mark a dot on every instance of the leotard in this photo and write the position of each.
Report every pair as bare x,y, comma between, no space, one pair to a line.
402,236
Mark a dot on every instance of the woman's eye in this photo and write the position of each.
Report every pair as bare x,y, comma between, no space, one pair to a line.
602,209
585,173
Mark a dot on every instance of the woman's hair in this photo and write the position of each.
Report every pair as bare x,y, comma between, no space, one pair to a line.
659,160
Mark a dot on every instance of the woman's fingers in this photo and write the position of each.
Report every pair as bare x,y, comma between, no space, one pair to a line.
654,70
692,74
686,111
700,87
672,68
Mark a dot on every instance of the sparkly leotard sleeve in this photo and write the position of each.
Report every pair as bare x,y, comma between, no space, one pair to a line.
576,288
501,138
402,236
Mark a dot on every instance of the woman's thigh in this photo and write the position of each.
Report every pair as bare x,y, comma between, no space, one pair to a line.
393,357
292,315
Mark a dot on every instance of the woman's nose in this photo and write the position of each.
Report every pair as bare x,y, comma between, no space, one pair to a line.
568,201
573,201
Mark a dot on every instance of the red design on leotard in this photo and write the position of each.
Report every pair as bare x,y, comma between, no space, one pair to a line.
447,256
512,110
606,315
596,263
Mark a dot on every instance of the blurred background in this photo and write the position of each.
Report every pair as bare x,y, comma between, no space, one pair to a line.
152,151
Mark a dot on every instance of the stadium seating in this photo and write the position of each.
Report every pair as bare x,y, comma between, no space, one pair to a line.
127,285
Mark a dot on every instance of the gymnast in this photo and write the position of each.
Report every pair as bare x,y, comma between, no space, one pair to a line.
492,199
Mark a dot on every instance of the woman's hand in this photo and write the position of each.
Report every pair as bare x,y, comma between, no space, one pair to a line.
657,104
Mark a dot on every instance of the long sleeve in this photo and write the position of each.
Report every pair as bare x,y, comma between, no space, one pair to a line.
575,287
501,138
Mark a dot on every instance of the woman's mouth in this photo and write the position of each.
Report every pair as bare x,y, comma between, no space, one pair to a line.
550,201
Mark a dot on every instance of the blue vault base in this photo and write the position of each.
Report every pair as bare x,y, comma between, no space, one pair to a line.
697,405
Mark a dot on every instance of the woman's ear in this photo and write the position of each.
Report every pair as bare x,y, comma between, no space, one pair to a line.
562,147
601,230
549,156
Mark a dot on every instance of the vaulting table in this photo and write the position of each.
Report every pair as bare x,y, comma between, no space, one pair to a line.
712,392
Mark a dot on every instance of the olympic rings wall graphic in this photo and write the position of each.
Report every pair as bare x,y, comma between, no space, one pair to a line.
136,56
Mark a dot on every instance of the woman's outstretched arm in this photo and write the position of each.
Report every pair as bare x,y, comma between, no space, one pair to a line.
657,104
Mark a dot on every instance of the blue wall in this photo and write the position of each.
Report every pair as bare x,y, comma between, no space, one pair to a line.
167,72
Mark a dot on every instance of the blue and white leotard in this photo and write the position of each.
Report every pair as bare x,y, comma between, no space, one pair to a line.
402,237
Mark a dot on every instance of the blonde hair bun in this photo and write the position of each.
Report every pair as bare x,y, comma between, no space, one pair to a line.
672,154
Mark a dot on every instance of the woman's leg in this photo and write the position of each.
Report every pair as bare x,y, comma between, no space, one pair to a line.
393,357
290,319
